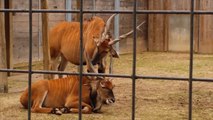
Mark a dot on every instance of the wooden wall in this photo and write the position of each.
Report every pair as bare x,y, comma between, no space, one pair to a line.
21,25
21,28
3,63
159,33
205,33
156,26
171,32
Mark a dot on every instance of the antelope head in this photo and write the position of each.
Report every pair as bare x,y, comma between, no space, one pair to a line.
105,44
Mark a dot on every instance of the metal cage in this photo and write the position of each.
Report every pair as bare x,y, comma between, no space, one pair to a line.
190,79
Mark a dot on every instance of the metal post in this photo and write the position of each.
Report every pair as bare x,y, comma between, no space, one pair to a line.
81,59
30,58
191,58
134,60
68,5
116,33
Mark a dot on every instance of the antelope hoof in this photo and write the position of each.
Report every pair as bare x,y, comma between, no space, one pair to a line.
56,111
71,110
65,110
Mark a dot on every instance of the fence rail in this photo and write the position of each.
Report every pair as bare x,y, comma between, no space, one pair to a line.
134,76
109,11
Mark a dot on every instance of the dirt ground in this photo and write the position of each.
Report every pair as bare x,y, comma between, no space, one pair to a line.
155,99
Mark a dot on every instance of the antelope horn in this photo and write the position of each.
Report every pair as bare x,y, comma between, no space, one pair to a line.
125,35
106,29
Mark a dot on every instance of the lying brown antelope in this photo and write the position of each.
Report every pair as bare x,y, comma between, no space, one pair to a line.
48,96
64,41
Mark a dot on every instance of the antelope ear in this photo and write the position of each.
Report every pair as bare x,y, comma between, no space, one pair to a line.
114,53
102,84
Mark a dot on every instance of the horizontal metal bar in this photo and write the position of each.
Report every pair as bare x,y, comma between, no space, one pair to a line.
15,10
165,78
119,11
175,78
109,75
202,79
14,70
108,11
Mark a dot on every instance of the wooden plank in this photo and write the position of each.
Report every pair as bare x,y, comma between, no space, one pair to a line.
45,39
156,26
177,27
196,27
78,8
166,25
206,25
3,64
9,35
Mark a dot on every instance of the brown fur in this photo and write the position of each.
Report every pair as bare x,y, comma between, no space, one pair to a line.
64,41
50,94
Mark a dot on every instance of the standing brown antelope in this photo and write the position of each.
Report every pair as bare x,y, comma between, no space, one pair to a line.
64,41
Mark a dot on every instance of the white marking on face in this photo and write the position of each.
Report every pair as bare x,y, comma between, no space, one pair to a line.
109,101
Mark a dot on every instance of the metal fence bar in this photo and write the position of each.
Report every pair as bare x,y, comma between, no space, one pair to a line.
109,11
134,60
81,61
191,58
110,75
134,76
30,60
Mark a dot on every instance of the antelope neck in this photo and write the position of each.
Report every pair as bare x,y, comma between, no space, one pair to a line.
94,95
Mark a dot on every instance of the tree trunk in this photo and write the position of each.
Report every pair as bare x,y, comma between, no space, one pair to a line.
3,64
9,35
45,39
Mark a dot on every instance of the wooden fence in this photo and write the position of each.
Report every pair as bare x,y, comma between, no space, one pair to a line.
170,32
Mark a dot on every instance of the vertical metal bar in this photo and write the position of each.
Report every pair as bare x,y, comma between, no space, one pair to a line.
116,33
81,60
30,60
134,61
191,58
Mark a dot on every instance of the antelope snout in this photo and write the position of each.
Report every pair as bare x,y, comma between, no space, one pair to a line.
110,101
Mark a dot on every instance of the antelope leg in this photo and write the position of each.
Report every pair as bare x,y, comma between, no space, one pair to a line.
53,65
62,65
37,104
102,65
90,66
74,104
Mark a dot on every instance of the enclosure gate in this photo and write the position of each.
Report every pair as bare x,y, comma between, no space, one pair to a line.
134,76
